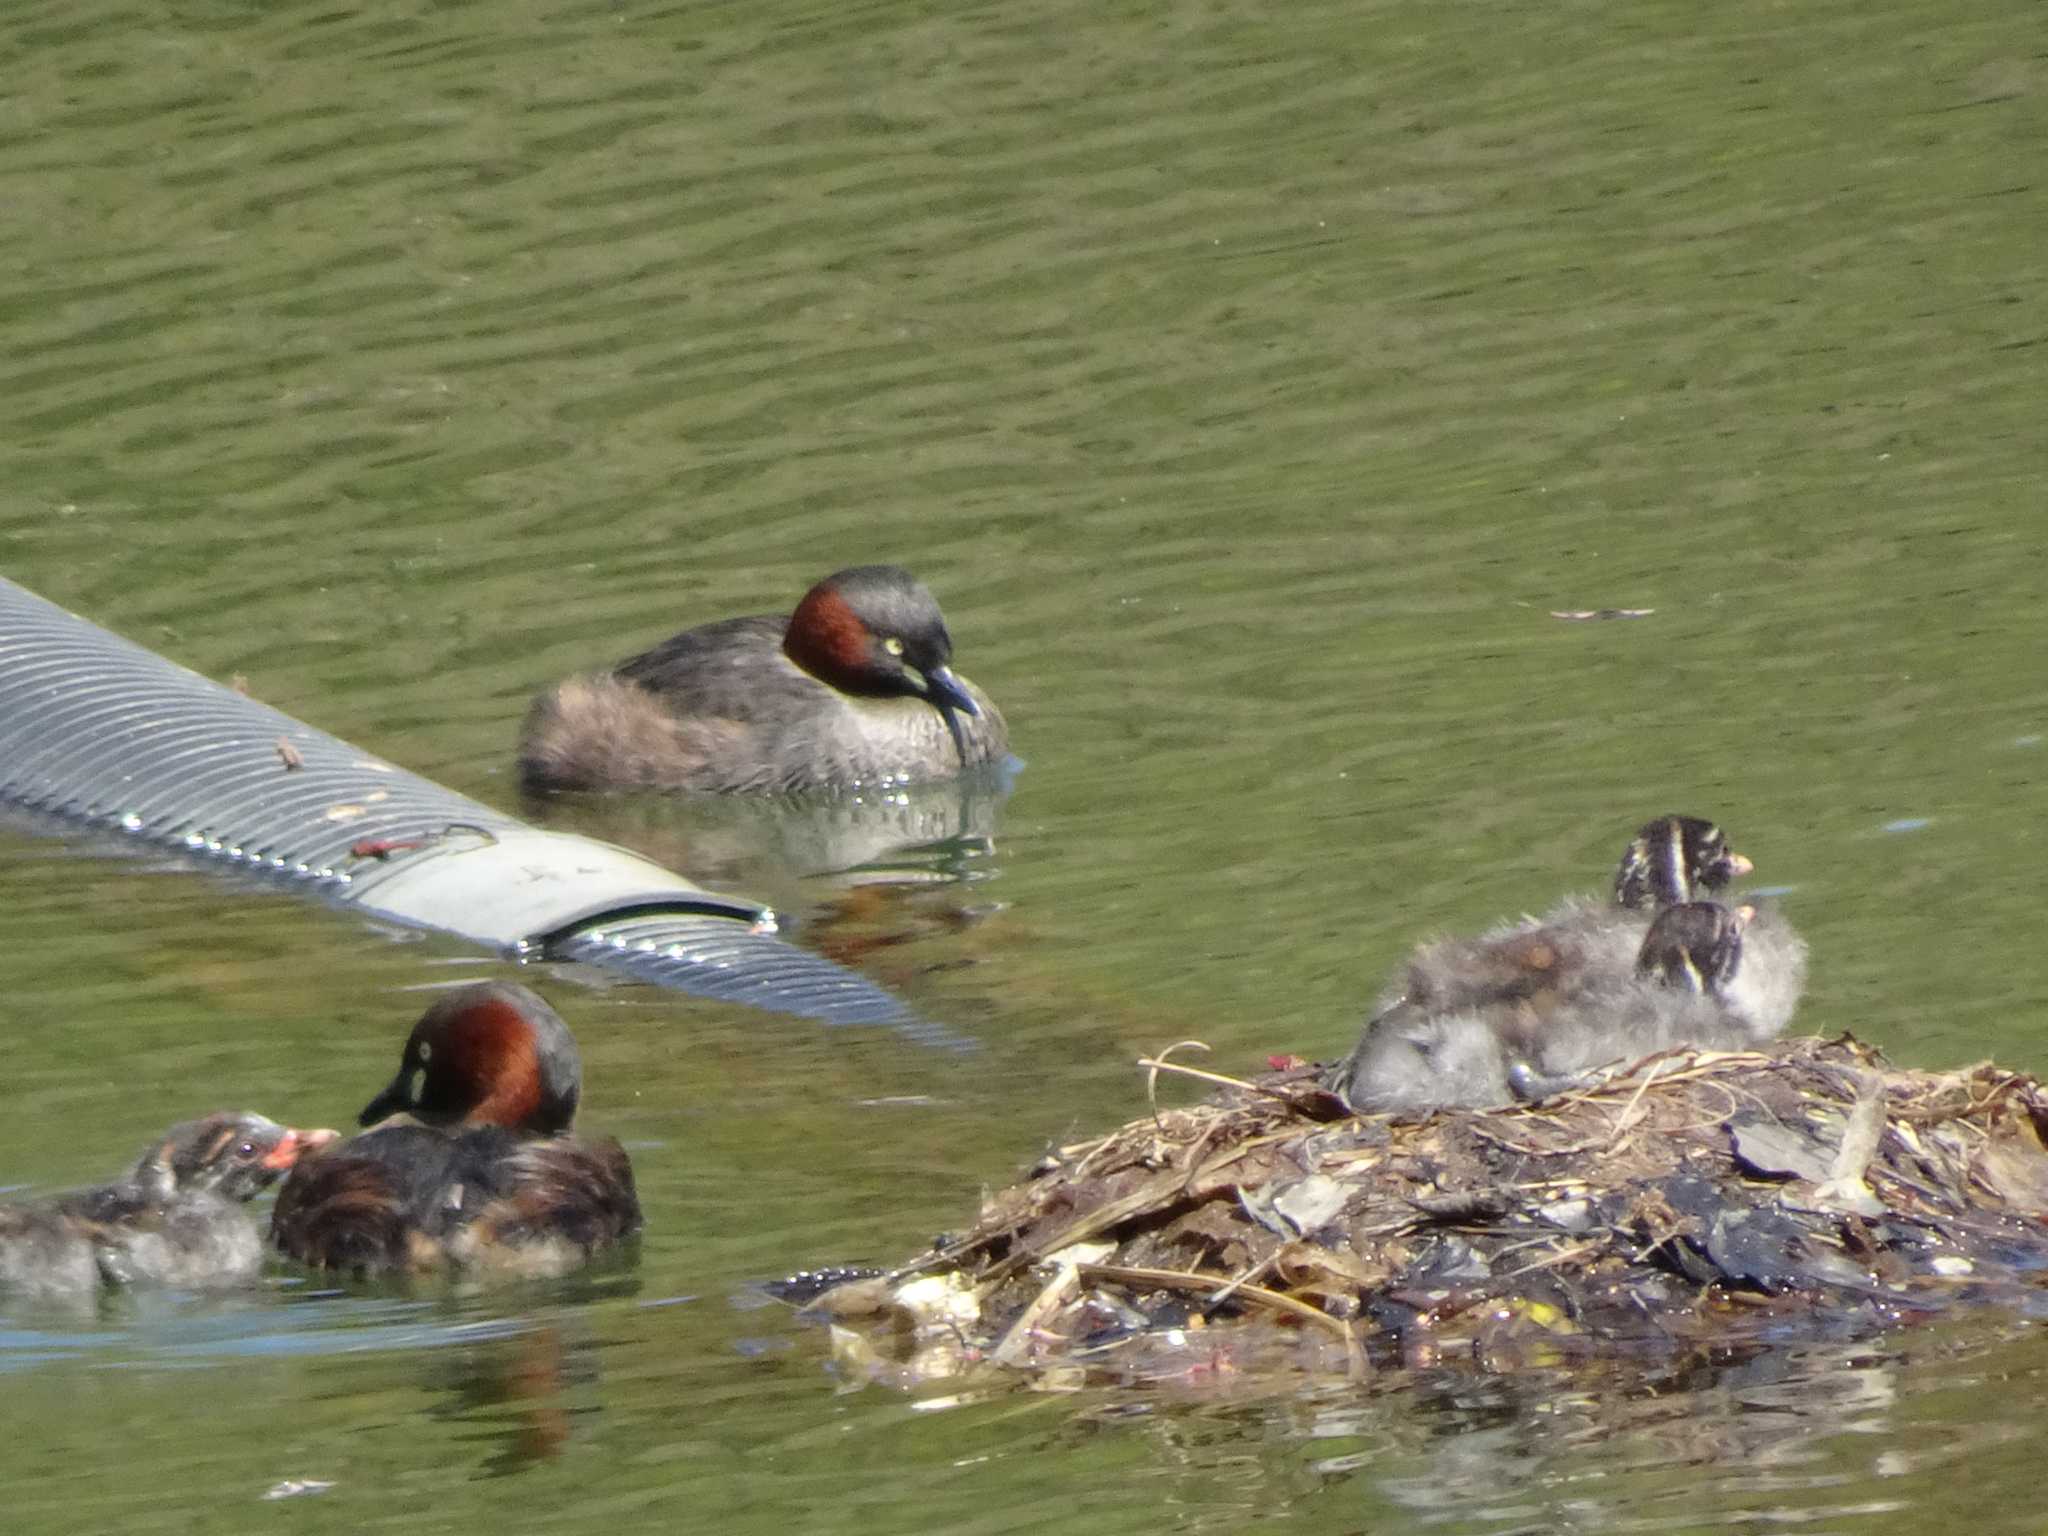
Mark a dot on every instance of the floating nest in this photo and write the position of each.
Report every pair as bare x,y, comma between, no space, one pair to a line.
1697,1201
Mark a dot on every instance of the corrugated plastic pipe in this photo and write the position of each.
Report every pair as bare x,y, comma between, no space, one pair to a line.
97,732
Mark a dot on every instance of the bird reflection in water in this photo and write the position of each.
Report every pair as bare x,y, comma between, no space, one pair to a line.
528,1389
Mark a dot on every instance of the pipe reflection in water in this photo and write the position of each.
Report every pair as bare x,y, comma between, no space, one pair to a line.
861,872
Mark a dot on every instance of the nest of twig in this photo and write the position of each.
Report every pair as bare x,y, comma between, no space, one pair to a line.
1696,1199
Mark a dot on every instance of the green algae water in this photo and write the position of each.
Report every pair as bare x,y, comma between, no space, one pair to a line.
1253,388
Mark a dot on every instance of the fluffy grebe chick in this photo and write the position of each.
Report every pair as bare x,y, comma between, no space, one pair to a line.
176,1218
1543,960
1681,991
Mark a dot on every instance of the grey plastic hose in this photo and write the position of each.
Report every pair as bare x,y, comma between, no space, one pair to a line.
97,732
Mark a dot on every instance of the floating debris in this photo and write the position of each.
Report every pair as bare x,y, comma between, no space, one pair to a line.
1595,615
297,1487
1699,1200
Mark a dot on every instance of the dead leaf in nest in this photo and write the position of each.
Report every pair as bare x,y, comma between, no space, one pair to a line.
1258,1204
1312,1203
2015,1169
1465,1205
1845,1188
1332,1271
1575,1213
1212,1225
1766,1147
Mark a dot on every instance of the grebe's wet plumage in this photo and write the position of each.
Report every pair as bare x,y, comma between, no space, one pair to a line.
1681,991
176,1218
468,1161
854,688
1542,961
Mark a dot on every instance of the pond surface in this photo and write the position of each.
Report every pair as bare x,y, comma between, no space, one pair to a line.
1253,387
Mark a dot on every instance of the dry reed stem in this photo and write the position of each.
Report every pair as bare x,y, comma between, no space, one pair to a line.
1175,1279
1156,1065
1064,1282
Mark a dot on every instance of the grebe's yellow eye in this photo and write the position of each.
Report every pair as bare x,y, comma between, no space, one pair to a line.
425,1053
893,646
